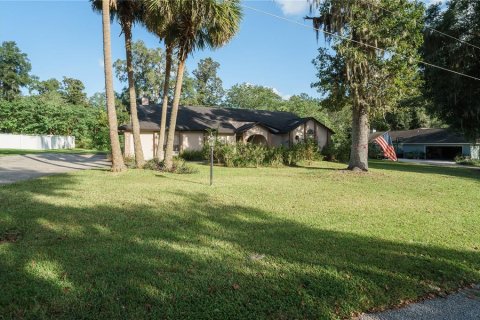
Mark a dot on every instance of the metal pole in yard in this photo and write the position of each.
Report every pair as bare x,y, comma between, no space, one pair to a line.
211,164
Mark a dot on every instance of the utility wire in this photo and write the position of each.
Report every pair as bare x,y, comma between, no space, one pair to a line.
427,27
358,42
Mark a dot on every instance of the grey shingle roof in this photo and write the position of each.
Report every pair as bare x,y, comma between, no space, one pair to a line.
425,135
225,120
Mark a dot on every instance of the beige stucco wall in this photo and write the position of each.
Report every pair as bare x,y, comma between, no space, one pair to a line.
128,151
298,131
195,140
277,140
310,126
192,140
322,136
226,138
257,130
320,132
147,145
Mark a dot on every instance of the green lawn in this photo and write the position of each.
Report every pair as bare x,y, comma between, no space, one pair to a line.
313,242
14,152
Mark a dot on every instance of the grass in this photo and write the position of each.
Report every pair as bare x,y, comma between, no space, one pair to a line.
14,152
312,242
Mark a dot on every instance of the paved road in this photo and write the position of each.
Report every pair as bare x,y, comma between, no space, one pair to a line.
464,305
24,167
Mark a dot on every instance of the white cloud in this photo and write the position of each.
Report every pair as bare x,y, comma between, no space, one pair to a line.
101,63
284,96
293,7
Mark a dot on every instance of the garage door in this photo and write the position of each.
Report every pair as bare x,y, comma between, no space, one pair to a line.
443,153
147,145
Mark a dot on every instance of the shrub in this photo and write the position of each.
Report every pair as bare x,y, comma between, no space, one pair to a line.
130,162
414,155
467,161
274,157
337,150
192,155
179,166
251,155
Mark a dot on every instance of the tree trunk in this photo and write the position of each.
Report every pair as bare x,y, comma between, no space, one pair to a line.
117,159
163,122
137,143
173,116
359,149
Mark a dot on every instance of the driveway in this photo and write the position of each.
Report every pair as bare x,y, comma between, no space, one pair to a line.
24,167
439,163
464,305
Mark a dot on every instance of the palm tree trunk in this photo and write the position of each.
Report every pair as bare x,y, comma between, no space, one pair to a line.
173,116
359,149
137,143
117,159
163,122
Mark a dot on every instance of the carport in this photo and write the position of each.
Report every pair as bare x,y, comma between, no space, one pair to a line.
436,152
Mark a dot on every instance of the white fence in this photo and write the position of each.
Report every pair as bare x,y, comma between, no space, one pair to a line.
35,142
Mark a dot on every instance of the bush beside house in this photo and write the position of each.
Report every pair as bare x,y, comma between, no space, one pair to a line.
253,155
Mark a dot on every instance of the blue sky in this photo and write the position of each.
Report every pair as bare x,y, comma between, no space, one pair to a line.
64,38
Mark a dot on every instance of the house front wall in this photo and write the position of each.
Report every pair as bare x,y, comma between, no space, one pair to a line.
475,152
148,147
192,140
226,138
322,135
185,140
310,129
421,149
257,130
412,148
147,140
297,134
278,140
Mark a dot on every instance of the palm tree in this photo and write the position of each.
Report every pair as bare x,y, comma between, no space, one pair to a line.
128,12
117,159
157,21
196,24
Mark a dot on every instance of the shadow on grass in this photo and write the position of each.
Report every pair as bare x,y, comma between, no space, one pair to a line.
170,177
191,258
426,169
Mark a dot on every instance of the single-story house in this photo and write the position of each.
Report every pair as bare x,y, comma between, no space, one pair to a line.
270,128
431,144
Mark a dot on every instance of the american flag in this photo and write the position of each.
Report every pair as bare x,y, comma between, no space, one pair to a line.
385,142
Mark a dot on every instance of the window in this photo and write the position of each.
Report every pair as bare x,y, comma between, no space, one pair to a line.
310,134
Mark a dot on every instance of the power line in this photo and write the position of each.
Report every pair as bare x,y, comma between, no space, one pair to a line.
358,42
427,27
